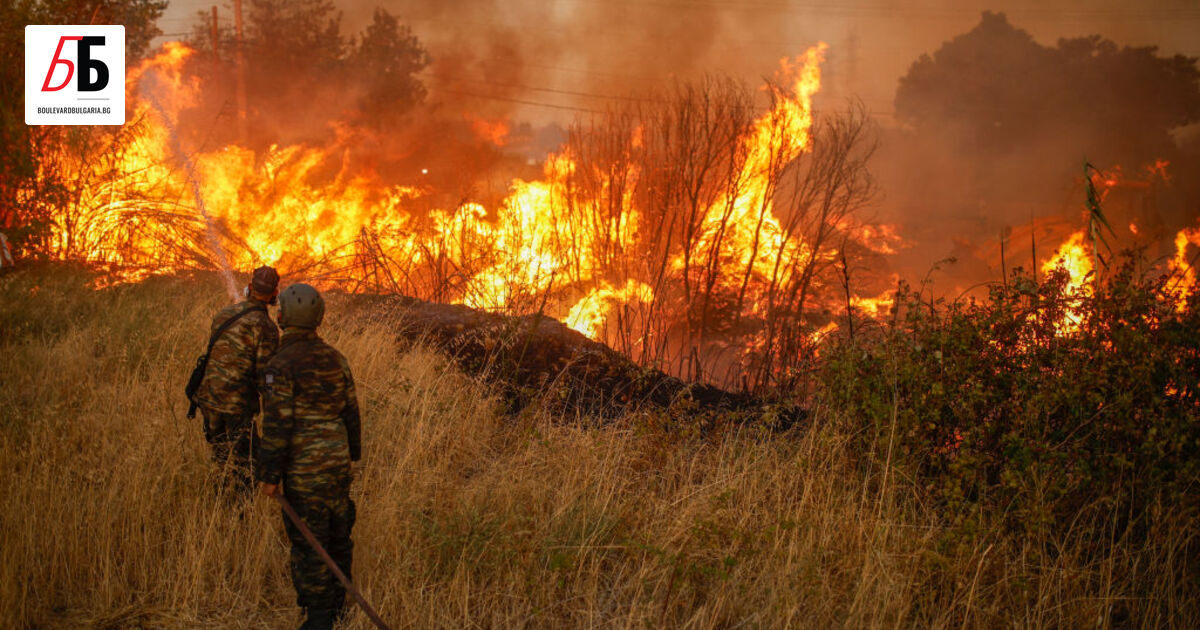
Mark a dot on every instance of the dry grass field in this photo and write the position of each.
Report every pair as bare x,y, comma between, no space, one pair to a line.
470,518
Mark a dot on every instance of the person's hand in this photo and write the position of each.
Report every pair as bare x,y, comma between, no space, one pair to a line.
270,489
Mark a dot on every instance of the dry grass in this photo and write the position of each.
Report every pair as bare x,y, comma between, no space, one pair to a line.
466,518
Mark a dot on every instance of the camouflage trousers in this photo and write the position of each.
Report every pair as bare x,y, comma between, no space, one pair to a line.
234,448
323,502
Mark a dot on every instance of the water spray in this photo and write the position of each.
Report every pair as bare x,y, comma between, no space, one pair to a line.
190,170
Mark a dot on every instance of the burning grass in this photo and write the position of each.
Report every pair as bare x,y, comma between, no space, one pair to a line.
469,517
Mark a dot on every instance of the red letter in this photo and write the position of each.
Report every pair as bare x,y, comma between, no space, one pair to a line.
70,67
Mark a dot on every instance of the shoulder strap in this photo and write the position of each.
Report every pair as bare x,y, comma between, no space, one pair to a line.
212,341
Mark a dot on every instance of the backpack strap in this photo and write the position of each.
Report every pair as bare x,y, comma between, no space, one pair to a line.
202,363
212,341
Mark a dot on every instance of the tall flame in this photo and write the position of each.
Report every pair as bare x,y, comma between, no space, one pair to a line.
743,226
1073,257
1182,267
589,315
574,252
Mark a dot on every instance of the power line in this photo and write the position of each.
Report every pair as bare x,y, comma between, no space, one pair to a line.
599,73
892,10
871,112
223,29
845,8
514,100
518,86
533,88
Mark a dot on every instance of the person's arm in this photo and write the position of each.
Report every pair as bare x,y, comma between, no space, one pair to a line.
350,415
278,425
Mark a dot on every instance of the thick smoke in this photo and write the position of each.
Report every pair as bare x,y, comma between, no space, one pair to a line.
1001,136
520,70
620,46
947,199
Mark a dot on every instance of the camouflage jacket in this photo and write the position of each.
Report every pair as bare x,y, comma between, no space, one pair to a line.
311,427
238,358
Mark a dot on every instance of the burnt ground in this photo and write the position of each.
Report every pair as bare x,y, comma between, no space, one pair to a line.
538,361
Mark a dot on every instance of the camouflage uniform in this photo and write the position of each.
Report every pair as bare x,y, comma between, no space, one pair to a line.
311,433
228,395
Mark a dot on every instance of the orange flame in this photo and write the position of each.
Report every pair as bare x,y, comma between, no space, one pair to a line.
307,211
1074,257
492,131
742,225
1181,266
589,315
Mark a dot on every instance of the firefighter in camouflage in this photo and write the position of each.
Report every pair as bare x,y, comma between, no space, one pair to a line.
228,396
311,433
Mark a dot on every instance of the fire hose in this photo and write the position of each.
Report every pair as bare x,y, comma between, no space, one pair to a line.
312,540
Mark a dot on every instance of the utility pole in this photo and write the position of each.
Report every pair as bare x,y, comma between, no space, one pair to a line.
215,37
241,71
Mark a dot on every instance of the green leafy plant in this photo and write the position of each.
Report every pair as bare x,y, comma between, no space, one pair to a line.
1005,415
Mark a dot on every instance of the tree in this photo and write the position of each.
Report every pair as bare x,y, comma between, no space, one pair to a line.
995,89
386,59
294,38
24,189
302,72
737,256
294,53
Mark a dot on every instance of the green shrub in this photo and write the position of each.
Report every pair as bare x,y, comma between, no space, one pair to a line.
1039,408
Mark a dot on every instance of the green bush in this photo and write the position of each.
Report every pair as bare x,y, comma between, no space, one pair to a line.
1039,408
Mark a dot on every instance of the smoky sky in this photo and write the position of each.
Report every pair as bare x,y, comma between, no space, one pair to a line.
544,60
553,61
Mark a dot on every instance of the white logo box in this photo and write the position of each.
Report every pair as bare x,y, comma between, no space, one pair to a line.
53,94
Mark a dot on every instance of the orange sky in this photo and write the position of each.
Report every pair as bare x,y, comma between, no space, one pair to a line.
582,53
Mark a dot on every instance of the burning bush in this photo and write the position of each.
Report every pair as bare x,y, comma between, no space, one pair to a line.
1008,416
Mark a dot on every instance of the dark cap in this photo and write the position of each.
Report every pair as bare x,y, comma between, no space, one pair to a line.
265,280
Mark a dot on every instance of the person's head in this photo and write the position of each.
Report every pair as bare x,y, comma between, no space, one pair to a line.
264,285
301,306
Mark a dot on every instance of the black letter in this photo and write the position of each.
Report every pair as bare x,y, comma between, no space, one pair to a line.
86,64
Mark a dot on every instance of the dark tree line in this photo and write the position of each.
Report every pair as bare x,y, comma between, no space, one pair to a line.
301,71
1025,115
1000,90
997,128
